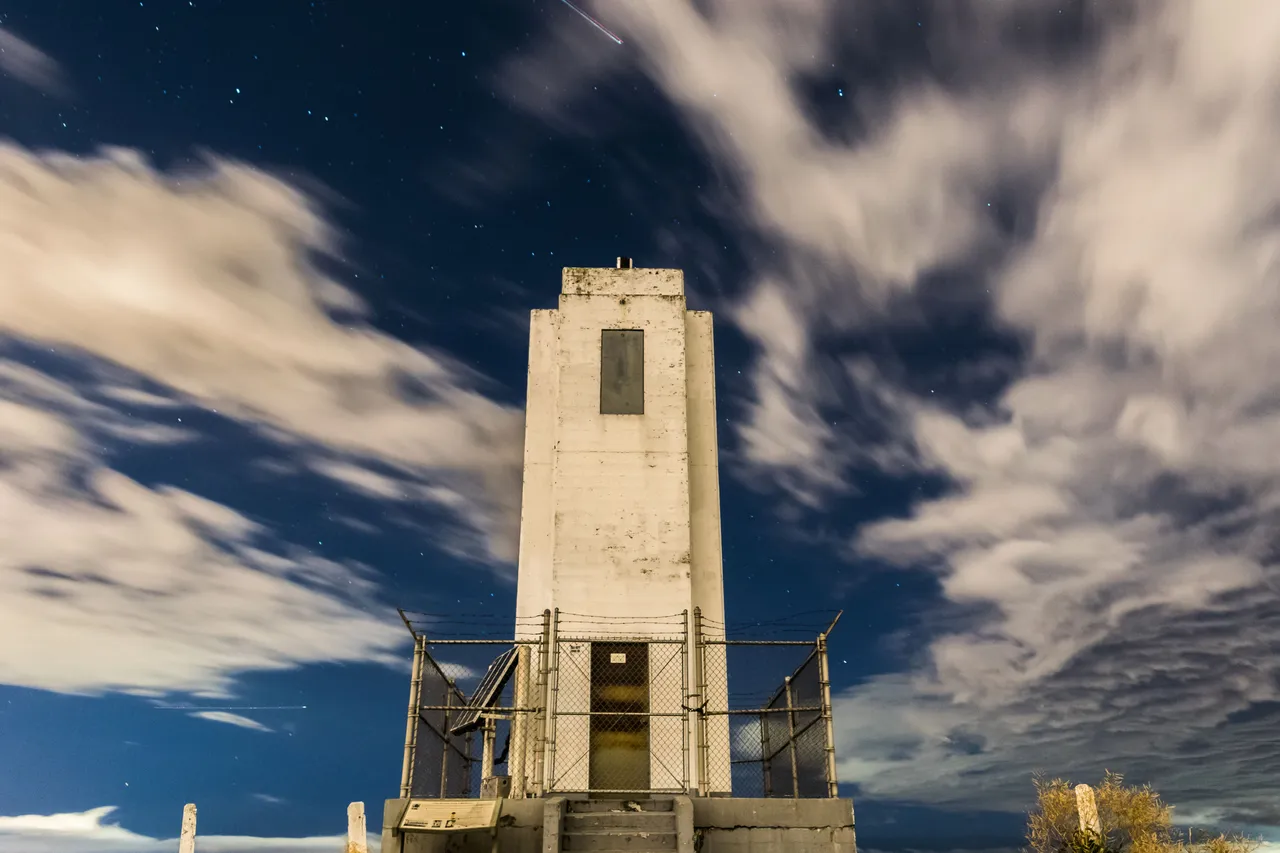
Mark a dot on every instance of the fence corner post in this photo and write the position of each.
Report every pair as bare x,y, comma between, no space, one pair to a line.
357,839
824,685
187,840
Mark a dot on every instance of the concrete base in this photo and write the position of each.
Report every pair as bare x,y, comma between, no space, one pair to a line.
765,826
719,825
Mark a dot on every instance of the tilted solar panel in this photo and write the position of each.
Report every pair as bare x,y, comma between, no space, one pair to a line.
487,692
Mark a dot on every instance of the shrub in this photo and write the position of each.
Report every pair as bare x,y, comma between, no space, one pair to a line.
1132,820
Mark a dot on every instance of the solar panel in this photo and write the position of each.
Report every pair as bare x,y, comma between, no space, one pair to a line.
487,693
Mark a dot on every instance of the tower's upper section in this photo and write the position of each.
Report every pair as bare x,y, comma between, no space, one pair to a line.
620,511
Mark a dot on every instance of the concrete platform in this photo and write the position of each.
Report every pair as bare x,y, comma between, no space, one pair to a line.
706,825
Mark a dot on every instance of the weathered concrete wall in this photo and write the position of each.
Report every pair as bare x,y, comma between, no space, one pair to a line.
704,465
708,566
537,510
621,492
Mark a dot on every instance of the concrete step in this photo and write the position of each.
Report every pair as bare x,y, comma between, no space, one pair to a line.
625,806
601,840
639,821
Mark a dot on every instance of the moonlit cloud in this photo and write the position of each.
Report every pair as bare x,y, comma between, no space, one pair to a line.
130,297
1106,552
90,832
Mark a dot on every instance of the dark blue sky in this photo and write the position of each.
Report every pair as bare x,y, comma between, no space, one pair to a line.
872,200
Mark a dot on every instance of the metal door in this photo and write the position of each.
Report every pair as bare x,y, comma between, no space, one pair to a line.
619,739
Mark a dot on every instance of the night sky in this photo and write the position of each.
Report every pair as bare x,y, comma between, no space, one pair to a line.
995,293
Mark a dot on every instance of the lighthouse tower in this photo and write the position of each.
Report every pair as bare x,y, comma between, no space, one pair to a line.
620,516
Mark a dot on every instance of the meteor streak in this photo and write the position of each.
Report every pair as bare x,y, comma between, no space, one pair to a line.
599,26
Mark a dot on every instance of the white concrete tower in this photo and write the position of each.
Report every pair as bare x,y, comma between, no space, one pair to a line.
621,504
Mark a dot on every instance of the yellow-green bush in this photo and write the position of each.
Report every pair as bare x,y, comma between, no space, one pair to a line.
1132,819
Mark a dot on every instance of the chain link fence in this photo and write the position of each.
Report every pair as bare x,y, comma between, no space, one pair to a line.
766,717
475,708
441,762
596,705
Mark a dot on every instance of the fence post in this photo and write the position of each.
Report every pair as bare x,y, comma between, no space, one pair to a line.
824,673
411,726
766,763
357,839
686,735
444,753
791,741
487,747
1088,810
540,717
187,840
553,692
700,660
517,755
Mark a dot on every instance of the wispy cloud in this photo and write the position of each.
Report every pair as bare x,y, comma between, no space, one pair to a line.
29,64
459,671
1098,183
269,799
231,719
90,832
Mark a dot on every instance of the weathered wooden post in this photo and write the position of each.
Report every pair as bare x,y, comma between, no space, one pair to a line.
357,840
187,840
1088,809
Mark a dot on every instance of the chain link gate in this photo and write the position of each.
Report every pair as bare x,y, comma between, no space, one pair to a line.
618,701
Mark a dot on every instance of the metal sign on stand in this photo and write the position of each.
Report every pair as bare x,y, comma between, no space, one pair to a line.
451,815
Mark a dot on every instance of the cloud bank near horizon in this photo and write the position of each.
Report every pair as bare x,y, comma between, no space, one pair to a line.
91,832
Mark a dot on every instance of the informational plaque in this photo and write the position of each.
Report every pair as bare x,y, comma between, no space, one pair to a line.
450,815
617,657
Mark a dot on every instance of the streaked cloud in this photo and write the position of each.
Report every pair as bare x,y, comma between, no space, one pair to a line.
231,719
130,297
28,64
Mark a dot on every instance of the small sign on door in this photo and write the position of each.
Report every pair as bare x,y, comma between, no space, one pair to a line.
617,657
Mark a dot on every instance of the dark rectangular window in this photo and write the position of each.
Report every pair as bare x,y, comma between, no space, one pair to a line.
622,372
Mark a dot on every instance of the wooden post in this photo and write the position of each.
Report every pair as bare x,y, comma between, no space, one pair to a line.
187,841
1088,810
357,840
